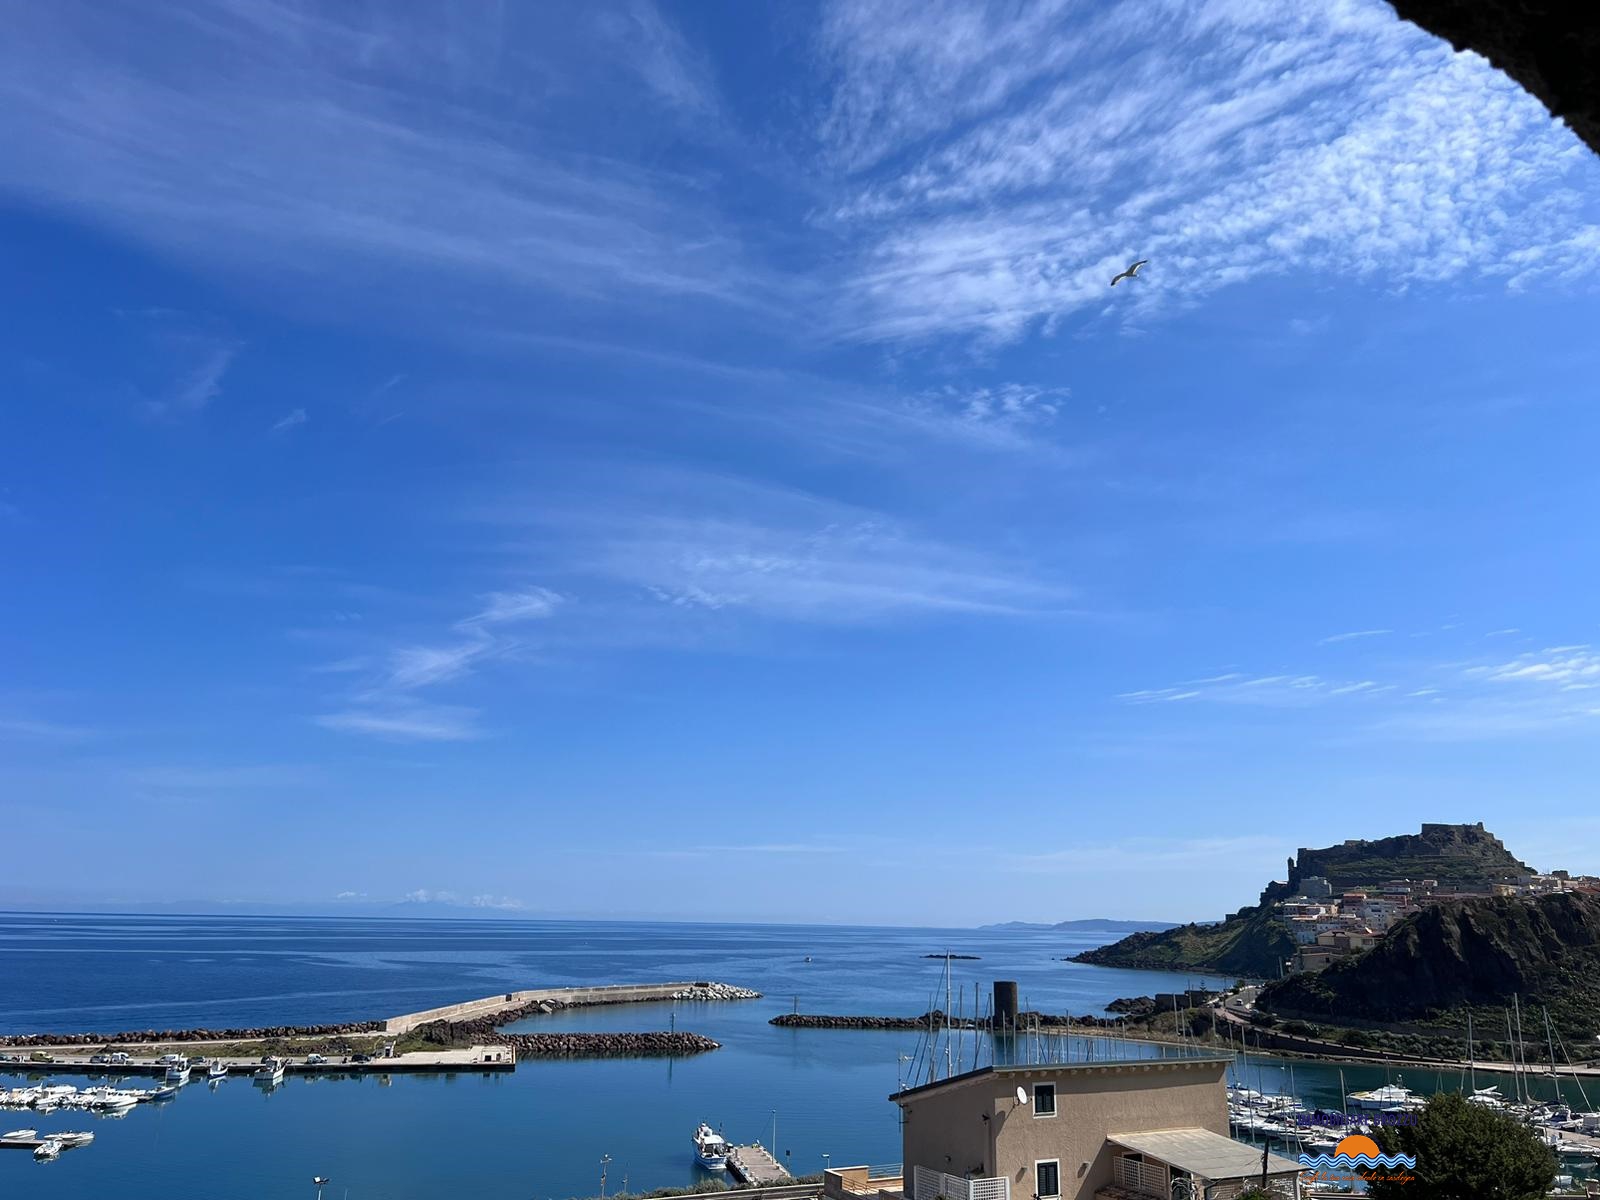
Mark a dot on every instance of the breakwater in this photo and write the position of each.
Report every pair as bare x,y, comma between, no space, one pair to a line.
511,1006
928,1020
144,1037
457,1026
606,1045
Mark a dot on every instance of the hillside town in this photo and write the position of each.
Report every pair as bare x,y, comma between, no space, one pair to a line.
1327,927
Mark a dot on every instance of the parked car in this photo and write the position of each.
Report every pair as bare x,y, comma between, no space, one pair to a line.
361,1058
100,1058
314,1059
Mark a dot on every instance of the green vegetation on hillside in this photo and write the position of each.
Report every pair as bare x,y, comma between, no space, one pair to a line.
1251,942
1468,954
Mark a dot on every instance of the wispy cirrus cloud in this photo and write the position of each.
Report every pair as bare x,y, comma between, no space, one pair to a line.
1565,668
386,703
294,417
370,145
406,721
1354,635
1277,691
1007,164
735,547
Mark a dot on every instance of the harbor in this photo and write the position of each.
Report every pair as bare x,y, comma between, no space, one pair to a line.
537,1127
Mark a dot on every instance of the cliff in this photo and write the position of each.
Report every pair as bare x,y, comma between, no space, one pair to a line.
1470,953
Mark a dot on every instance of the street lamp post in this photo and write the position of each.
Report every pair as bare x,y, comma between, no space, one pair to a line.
605,1161
320,1182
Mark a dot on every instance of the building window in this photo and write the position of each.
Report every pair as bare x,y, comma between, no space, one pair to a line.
1047,1179
1044,1100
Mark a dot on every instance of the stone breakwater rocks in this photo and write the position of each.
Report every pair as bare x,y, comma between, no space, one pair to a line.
925,1021
715,991
606,1045
164,1036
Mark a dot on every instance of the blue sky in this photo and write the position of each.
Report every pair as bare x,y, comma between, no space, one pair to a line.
687,461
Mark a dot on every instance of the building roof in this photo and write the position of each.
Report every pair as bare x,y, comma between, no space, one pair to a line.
1115,1066
1202,1152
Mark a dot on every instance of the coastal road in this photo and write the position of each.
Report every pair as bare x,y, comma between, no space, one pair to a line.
1333,1052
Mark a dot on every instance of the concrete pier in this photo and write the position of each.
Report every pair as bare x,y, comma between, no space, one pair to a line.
755,1165
488,1006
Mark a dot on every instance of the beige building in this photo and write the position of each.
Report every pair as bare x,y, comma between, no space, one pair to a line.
1137,1128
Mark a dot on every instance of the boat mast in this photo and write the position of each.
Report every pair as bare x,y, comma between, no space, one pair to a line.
1516,1077
1472,1055
1550,1041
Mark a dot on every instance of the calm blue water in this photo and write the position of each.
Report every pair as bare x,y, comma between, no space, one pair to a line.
537,1133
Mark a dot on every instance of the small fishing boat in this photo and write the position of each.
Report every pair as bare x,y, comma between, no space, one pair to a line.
270,1073
710,1148
217,1070
178,1073
165,1093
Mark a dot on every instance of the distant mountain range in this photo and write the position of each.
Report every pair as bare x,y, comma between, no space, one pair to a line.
403,909
1090,925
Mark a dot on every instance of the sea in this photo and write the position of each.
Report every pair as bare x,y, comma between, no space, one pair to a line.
551,1129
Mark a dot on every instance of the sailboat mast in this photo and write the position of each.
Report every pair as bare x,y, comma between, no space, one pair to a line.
1472,1055
1516,1076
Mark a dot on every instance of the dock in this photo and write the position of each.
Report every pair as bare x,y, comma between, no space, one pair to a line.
472,1058
755,1165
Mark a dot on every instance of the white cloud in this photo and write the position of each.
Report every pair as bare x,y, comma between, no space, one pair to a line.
1569,668
505,607
295,417
1017,162
419,666
845,571
1352,636
385,705
395,146
406,722
1274,691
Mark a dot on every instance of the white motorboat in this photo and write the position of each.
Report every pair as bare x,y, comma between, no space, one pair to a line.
70,1139
46,1150
710,1148
178,1073
217,1070
1390,1096
270,1073
19,1135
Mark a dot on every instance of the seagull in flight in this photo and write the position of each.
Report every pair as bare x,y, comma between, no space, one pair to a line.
1131,273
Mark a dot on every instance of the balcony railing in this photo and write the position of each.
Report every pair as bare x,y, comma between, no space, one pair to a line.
878,1177
926,1185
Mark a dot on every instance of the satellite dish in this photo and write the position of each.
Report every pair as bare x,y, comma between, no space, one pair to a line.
1022,1096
